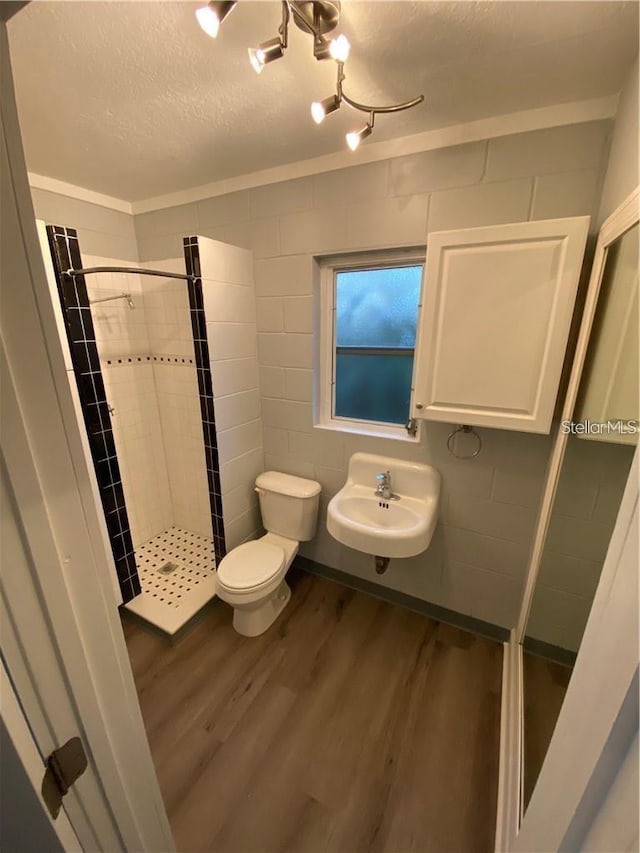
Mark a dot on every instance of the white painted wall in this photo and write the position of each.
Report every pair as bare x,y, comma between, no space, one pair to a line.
476,562
230,310
622,175
101,230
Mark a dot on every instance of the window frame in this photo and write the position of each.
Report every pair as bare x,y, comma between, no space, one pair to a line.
327,348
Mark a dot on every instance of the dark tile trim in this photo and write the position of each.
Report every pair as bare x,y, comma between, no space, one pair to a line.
205,389
549,652
433,611
74,300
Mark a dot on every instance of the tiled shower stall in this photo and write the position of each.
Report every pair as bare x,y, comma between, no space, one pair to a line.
144,362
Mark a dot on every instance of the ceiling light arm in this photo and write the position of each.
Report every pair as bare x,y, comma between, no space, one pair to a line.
367,108
283,29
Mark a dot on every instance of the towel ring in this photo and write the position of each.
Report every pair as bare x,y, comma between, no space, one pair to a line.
451,439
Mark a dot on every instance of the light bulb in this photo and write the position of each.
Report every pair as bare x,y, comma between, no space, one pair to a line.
320,109
213,14
256,58
356,136
317,112
265,53
339,48
208,20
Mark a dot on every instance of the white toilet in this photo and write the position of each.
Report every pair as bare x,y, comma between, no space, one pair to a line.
251,576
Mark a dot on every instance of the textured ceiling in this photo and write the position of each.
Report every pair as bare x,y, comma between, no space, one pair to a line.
133,100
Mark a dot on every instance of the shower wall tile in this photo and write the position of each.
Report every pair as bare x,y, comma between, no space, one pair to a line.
237,409
239,439
180,421
131,392
74,301
230,311
205,395
225,263
232,340
235,374
229,303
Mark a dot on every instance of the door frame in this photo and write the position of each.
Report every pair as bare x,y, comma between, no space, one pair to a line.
117,803
599,716
510,804
623,218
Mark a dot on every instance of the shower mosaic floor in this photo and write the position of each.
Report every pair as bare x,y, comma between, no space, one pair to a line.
177,574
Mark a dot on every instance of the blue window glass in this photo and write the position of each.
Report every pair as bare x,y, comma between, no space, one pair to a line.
376,312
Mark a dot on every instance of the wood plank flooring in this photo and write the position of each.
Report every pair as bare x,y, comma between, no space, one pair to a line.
351,725
545,685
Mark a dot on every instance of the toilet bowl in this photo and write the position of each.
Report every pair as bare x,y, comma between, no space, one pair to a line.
251,578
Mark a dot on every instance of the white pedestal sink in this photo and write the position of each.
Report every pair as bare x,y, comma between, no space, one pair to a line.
361,519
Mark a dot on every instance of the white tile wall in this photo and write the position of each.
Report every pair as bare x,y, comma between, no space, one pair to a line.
119,329
179,406
230,308
476,561
157,423
120,333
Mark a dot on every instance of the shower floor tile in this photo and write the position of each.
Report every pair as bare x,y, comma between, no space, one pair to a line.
177,575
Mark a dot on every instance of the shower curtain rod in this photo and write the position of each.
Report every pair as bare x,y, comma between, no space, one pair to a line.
135,270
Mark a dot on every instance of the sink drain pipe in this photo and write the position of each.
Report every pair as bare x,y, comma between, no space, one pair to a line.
382,564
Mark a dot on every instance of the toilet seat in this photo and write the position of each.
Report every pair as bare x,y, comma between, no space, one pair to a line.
250,566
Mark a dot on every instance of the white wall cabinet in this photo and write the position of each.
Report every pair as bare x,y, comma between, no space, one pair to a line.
495,317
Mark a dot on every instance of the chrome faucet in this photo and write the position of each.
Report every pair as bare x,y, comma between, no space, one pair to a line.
383,489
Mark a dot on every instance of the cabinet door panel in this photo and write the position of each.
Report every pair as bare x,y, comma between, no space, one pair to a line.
496,311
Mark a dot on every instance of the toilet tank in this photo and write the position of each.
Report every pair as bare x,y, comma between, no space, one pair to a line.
289,505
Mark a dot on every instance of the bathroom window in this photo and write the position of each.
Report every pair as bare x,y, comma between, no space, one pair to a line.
369,319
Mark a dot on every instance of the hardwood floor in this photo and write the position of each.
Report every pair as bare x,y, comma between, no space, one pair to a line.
545,685
351,725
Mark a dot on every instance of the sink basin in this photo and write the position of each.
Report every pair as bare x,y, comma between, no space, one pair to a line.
360,519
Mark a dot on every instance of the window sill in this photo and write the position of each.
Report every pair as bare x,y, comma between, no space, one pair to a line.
369,429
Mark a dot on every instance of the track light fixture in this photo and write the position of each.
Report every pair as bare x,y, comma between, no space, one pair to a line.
356,136
274,48
213,14
337,48
320,109
266,53
316,18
